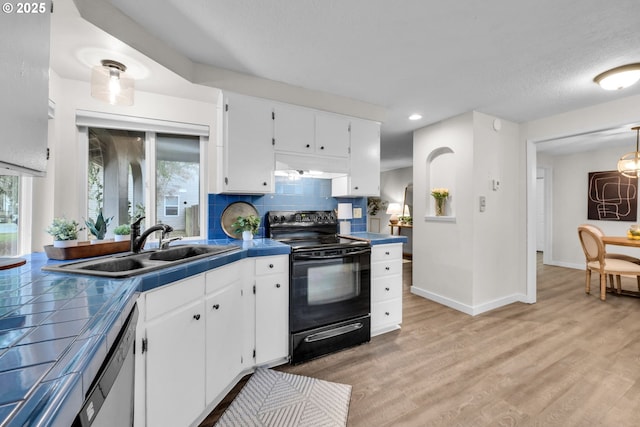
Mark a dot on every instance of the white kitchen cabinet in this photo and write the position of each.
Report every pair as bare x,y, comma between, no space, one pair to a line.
174,352
272,308
25,88
294,129
247,150
332,135
386,288
364,163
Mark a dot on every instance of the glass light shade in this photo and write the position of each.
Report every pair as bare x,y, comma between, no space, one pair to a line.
112,85
619,78
629,165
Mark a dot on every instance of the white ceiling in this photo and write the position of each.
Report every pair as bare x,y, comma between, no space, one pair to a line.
517,60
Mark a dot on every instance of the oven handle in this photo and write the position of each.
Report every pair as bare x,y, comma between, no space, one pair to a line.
348,254
333,332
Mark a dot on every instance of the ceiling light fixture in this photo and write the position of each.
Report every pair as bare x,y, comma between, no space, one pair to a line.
110,83
619,77
629,164
415,116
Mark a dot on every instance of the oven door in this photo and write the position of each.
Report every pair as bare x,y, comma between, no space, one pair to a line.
329,286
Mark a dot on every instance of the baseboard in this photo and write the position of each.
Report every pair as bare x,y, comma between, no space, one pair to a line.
472,310
566,265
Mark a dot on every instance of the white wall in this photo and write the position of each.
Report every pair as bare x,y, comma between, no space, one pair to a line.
569,203
63,179
470,262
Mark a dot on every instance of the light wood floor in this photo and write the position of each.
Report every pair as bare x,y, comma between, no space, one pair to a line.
568,360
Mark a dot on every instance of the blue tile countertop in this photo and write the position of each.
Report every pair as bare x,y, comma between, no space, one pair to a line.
56,329
377,238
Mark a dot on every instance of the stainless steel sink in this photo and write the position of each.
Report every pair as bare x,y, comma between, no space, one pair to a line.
133,264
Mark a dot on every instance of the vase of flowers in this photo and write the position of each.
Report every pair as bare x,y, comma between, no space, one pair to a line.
64,232
440,195
247,225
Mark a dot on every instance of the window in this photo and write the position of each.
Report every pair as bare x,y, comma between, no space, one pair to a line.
120,171
171,204
9,214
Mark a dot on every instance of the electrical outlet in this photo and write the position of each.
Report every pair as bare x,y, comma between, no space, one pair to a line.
357,213
483,203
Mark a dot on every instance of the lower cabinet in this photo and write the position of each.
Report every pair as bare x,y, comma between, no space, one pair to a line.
174,349
386,287
198,335
272,309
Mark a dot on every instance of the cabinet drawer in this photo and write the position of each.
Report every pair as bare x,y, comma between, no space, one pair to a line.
224,276
386,252
386,268
271,265
170,297
386,288
387,312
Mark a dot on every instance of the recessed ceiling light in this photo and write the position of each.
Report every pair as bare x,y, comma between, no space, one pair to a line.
619,77
415,116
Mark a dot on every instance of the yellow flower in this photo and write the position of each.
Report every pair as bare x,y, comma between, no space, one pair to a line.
440,193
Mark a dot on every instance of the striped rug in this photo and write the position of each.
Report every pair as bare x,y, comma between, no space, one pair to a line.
278,399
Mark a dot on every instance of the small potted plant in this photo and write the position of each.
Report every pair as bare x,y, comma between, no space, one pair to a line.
247,225
98,228
122,232
64,232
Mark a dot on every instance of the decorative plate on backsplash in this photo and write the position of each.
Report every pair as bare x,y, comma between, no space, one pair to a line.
231,214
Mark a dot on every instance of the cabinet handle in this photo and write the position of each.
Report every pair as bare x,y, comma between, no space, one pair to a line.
216,306
387,253
264,183
386,313
308,145
196,316
387,268
322,147
270,265
387,289
277,285
356,188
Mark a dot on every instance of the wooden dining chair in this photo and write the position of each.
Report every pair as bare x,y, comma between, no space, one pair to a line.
597,260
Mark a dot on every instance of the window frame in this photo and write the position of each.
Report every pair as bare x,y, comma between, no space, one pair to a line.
92,119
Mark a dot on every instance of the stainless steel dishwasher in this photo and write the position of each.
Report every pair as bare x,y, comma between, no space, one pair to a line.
109,401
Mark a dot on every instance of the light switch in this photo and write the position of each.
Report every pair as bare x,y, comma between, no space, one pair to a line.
483,203
496,184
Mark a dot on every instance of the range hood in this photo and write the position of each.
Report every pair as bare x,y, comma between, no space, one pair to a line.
311,166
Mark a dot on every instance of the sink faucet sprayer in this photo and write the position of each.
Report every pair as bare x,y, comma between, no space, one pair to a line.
138,240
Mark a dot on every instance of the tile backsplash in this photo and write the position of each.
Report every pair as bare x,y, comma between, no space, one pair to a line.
299,194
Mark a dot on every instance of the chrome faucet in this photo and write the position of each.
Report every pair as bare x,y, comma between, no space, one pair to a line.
139,239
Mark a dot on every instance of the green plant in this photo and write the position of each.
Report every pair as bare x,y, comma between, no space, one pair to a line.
374,204
406,219
64,229
122,230
98,227
247,223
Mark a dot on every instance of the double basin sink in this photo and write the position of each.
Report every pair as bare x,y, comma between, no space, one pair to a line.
132,264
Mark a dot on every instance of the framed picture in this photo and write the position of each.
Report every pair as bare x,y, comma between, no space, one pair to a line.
612,197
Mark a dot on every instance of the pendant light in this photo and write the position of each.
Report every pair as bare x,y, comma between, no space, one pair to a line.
111,84
629,164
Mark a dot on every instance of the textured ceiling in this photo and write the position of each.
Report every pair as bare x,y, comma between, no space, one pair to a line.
517,60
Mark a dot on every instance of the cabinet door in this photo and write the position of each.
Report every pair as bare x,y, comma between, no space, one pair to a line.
294,129
248,145
365,158
223,338
332,135
175,365
272,317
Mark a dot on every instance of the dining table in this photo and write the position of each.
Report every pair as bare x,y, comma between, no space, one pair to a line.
622,241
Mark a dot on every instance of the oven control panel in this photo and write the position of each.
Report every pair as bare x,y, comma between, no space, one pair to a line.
289,218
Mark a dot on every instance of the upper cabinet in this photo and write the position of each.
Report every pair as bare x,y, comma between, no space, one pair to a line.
256,134
24,65
247,145
332,135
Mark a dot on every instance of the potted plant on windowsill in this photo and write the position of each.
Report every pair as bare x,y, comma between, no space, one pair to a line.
247,225
122,232
98,228
64,232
